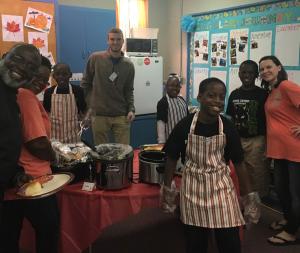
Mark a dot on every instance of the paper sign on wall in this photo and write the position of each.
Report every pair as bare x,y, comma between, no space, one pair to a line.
38,20
219,49
260,44
287,44
39,40
238,46
12,28
199,75
201,47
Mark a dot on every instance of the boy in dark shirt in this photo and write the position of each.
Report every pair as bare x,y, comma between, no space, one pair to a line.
208,200
246,108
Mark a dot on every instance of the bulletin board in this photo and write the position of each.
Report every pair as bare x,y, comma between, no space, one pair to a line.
17,11
222,40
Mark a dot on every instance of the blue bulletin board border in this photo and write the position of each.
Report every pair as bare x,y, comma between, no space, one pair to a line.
261,16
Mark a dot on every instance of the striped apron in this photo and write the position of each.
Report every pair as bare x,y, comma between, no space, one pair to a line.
207,195
64,117
177,110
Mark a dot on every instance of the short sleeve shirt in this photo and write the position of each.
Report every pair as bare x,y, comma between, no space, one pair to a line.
35,124
177,141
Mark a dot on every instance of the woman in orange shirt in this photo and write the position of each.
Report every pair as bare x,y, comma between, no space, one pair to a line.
283,142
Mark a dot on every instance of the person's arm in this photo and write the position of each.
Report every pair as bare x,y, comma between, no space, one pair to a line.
292,91
161,118
47,100
129,93
243,176
174,147
161,131
81,104
170,167
41,148
87,79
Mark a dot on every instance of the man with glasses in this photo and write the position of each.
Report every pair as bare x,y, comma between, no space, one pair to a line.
17,69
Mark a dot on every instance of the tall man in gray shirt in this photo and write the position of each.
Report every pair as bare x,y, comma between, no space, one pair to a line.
108,87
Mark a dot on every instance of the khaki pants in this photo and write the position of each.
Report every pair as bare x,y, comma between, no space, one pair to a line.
119,127
257,164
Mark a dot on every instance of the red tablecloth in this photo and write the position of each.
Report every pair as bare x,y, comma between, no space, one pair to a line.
85,214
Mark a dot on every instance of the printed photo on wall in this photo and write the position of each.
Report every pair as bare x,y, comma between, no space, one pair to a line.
38,20
239,45
12,28
201,47
219,49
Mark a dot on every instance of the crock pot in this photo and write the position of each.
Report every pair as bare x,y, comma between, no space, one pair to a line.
151,166
114,169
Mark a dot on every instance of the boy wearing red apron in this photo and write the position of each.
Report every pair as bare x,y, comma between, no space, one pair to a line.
208,199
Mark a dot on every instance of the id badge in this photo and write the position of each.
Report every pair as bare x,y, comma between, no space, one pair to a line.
113,76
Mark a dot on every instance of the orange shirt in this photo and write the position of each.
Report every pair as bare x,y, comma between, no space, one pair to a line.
282,112
35,124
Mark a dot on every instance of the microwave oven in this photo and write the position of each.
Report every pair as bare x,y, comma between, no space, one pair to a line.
141,47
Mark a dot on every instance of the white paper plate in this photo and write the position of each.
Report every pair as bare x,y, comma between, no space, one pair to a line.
55,184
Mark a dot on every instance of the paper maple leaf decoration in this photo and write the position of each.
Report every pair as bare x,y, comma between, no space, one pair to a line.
12,27
39,43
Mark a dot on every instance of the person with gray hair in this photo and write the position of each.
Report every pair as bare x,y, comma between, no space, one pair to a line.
17,68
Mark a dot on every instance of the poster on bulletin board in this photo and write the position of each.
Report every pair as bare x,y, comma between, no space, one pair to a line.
30,22
219,41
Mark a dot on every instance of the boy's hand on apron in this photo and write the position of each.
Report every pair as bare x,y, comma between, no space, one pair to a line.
251,204
168,197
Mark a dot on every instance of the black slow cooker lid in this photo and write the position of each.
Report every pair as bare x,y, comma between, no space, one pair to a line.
152,156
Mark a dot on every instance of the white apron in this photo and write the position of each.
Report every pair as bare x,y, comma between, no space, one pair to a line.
207,195
64,117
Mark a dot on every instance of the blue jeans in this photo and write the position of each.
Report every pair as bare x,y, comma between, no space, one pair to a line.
287,185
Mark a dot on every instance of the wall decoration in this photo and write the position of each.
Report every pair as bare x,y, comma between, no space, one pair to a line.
219,49
201,47
260,44
40,40
287,44
241,33
199,75
12,28
38,20
238,46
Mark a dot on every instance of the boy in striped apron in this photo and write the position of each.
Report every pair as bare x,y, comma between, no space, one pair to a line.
208,199
170,109
65,104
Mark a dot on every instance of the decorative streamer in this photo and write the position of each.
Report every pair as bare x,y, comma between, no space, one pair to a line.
188,24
